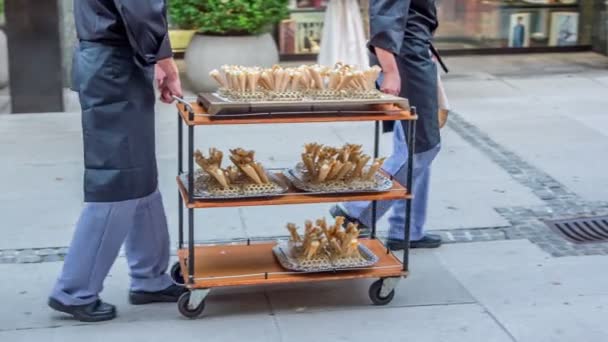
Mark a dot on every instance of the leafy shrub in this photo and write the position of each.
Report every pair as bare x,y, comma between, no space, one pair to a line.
227,17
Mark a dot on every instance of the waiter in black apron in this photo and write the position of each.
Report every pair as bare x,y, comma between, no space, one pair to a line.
400,41
123,44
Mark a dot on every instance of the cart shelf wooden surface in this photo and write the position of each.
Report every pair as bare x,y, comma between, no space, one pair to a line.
294,196
390,113
255,264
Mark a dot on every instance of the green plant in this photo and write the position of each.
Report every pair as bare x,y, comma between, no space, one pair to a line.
227,17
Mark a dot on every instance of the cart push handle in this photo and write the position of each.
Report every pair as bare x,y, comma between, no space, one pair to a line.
184,102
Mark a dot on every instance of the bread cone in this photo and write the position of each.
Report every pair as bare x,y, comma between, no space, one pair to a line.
309,164
348,167
335,169
345,82
334,80
374,168
312,250
215,74
261,172
293,230
316,77
279,74
323,172
363,160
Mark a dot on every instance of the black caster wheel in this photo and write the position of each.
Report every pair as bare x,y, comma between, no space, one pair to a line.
184,309
374,294
176,274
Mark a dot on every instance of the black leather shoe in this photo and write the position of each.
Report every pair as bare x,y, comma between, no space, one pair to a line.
336,210
169,295
97,311
428,241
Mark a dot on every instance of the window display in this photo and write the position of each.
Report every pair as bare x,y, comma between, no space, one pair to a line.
475,24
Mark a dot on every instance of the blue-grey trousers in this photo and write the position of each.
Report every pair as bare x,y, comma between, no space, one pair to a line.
396,165
101,230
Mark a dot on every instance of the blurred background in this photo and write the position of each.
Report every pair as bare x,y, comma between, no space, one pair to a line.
37,37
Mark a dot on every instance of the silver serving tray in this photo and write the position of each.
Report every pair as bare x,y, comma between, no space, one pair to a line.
215,104
202,189
283,252
298,176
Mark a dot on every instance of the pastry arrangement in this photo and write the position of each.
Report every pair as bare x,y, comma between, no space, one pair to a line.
344,169
324,247
299,83
245,177
348,163
322,241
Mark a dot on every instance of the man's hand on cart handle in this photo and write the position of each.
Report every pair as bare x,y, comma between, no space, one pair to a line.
167,80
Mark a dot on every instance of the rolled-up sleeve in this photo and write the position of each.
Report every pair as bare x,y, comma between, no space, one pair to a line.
388,19
146,24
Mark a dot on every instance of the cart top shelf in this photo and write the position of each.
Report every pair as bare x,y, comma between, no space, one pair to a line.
388,113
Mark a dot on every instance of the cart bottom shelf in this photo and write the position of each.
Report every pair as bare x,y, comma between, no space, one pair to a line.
255,264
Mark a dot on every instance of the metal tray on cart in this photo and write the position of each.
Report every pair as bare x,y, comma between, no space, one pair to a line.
216,104
298,176
283,251
205,187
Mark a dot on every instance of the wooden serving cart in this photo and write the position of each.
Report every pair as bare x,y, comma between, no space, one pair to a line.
203,267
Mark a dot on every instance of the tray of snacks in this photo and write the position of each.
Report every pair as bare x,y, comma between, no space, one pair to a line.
338,170
307,88
246,178
324,248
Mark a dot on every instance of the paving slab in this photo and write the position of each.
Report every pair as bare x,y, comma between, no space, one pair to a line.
451,323
535,297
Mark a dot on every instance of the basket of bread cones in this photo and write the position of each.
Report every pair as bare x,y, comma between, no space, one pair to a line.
306,82
323,247
244,178
328,169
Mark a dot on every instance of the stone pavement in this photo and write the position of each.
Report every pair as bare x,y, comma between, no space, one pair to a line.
525,143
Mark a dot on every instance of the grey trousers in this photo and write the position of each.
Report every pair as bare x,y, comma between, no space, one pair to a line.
101,230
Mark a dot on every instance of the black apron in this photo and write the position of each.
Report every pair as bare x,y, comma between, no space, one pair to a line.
406,28
117,99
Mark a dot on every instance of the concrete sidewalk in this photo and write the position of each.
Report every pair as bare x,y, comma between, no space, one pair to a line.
525,143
